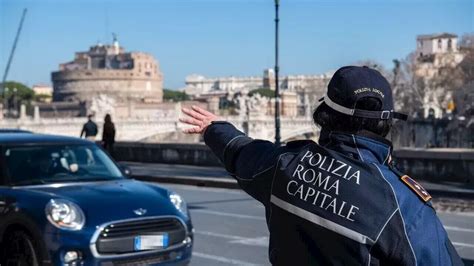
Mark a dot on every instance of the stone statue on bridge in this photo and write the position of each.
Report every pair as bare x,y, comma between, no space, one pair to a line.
254,106
102,105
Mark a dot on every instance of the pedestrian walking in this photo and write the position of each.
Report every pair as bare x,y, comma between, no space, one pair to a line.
340,201
108,134
89,130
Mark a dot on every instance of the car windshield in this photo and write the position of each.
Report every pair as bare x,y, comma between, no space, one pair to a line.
28,165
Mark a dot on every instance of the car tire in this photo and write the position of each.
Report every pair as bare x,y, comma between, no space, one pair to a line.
20,249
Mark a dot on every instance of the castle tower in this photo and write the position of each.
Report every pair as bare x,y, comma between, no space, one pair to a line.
109,70
269,78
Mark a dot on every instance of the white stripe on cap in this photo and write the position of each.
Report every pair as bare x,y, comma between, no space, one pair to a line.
330,225
338,107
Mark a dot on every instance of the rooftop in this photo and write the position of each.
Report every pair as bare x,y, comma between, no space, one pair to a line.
436,36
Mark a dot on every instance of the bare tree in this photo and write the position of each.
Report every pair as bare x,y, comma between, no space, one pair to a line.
409,91
417,90
467,41
464,96
375,65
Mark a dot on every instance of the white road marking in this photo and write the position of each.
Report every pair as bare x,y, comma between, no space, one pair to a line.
460,229
234,215
256,241
220,235
469,214
222,259
463,244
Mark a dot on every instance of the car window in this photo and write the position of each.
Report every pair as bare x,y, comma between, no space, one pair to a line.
58,163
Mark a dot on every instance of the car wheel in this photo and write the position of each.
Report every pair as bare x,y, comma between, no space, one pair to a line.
20,250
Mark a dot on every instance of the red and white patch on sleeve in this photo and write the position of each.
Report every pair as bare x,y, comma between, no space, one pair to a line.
417,188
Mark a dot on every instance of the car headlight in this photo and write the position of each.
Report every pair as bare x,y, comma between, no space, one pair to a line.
179,203
65,215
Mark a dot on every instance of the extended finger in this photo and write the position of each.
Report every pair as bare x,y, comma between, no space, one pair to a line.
191,121
192,113
201,111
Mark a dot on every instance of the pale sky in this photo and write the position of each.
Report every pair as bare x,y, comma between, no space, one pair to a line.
224,37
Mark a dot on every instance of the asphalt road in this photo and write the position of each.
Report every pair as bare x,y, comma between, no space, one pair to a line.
231,230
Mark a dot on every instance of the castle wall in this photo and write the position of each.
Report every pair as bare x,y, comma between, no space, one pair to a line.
122,85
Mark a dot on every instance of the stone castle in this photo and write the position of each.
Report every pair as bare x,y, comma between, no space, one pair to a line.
109,70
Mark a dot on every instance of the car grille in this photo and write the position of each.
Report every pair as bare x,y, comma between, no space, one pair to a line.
119,238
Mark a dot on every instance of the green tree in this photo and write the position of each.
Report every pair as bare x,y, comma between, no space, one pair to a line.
265,92
23,92
174,96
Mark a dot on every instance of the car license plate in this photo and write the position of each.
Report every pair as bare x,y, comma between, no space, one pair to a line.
146,242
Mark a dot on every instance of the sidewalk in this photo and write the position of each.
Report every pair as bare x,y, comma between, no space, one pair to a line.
218,177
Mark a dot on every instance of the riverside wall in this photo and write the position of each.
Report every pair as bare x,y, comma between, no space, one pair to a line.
435,165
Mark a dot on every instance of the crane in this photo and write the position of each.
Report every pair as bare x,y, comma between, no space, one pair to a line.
10,58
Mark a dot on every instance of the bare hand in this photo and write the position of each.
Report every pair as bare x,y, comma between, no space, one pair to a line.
199,118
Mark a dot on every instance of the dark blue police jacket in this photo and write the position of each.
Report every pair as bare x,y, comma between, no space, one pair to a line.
337,204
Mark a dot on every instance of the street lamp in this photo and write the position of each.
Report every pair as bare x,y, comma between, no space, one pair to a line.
277,85
15,102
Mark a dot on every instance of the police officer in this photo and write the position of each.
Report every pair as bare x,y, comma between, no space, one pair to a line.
339,201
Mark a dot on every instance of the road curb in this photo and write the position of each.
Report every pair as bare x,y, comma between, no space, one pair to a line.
189,180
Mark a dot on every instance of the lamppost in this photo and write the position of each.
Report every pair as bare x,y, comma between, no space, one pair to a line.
15,102
277,85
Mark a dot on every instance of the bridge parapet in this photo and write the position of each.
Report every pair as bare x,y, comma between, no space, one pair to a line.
134,129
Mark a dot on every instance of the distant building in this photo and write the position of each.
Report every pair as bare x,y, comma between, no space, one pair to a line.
289,104
436,53
109,70
308,88
197,85
431,44
41,89
43,92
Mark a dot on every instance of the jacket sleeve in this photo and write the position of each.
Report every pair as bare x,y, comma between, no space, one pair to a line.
249,161
421,242
430,240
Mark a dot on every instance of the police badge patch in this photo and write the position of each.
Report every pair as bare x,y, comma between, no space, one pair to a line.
417,188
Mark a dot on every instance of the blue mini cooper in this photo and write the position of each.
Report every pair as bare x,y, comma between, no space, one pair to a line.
64,201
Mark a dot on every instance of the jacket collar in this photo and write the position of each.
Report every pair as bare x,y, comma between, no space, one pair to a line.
363,145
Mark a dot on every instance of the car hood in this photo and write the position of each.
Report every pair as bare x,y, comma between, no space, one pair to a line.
108,201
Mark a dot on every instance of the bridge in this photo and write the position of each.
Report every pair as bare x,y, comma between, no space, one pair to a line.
165,129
